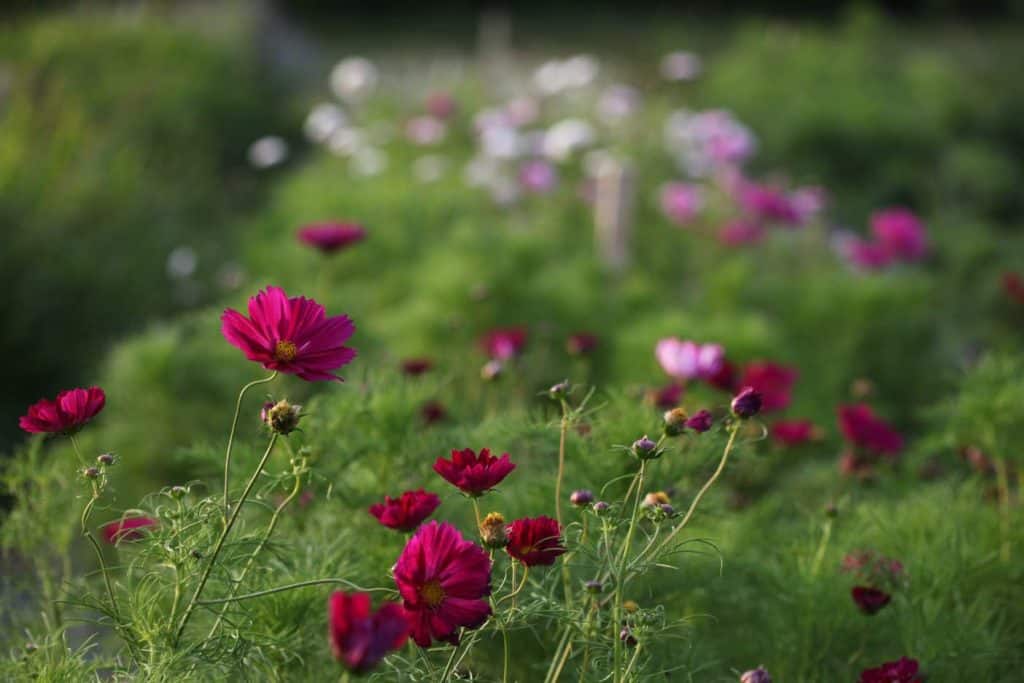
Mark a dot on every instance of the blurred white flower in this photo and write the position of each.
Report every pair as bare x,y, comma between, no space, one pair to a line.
425,130
550,78
522,111
554,76
707,141
322,121
500,142
368,161
347,141
618,103
480,171
231,276
353,79
567,136
680,66
182,262
268,151
429,168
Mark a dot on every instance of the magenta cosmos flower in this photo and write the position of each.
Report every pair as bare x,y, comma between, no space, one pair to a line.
406,512
65,414
504,343
741,232
904,670
290,335
864,429
685,360
681,202
773,381
535,541
868,599
127,529
901,233
474,474
359,637
444,581
331,237
767,203
791,433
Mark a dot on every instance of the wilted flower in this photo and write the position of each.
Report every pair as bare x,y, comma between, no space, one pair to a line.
504,343
901,233
444,581
535,541
904,670
474,474
282,417
331,237
792,432
290,335
758,675
359,637
65,414
700,421
681,202
685,360
127,529
746,404
493,531
869,600
655,499
406,512
773,381
862,428
581,497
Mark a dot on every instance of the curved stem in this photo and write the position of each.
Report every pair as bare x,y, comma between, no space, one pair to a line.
86,513
288,587
561,462
223,536
231,438
519,588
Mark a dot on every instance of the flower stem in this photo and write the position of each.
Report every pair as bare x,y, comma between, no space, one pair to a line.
288,587
231,438
1003,487
561,462
819,556
620,570
86,513
223,536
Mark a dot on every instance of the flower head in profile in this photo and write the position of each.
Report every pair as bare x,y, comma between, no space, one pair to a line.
360,637
65,414
127,529
444,581
406,512
474,474
331,237
504,343
292,335
535,541
683,360
901,233
903,670
862,428
700,421
773,381
868,599
758,675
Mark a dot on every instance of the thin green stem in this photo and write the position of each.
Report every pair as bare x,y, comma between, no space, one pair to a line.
620,570
450,665
86,514
519,588
819,556
476,512
288,587
632,661
561,462
223,536
231,438
1003,488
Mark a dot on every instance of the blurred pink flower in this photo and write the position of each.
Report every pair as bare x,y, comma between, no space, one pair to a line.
538,176
901,233
681,202
685,360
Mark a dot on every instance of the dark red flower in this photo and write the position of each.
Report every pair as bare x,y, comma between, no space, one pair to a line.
792,432
700,422
904,670
535,541
433,411
444,581
774,382
359,637
290,335
414,367
441,105
667,396
331,237
505,343
406,512
474,474
127,529
725,378
864,429
1013,285
65,414
581,343
870,600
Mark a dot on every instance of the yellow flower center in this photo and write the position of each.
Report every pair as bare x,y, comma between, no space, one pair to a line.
526,550
285,351
432,593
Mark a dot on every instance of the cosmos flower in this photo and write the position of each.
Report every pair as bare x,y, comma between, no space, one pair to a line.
773,381
581,343
474,474
767,203
538,176
792,433
862,428
290,335
330,237
903,670
406,512
415,367
504,343
741,232
681,202
869,600
700,421
747,403
359,637
444,581
65,414
665,397
127,529
901,233
683,360
535,541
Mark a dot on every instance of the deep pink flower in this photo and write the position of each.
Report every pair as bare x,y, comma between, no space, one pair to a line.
681,202
65,414
331,237
774,382
1013,285
740,232
416,366
581,343
360,638
809,201
725,378
406,512
864,429
443,580
433,411
700,422
441,105
504,343
685,360
474,474
864,254
767,203
904,670
666,397
535,541
538,176
792,432
901,233
127,529
747,403
290,335
869,599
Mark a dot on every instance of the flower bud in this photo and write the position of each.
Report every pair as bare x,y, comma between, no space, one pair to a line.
30,648
491,370
747,403
91,473
645,449
493,531
593,586
106,459
630,606
831,510
758,675
667,510
179,492
581,497
675,422
560,391
700,422
282,417
600,508
626,636
655,499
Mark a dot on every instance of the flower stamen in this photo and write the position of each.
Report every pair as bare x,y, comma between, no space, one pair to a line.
285,351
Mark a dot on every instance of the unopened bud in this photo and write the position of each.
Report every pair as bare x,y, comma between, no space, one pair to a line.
106,459
747,403
91,473
675,422
560,391
758,675
600,508
282,417
593,586
179,492
645,449
581,497
493,531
